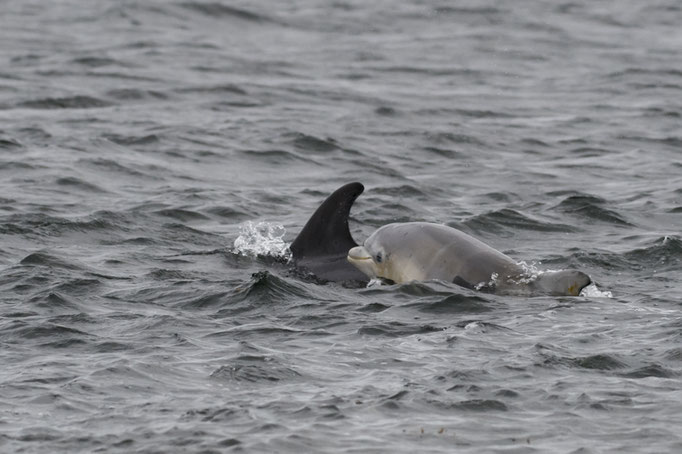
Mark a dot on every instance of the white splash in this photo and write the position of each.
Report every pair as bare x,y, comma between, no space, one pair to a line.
592,291
374,283
530,272
263,238
492,283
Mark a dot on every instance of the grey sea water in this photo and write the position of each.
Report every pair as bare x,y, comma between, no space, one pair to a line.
138,139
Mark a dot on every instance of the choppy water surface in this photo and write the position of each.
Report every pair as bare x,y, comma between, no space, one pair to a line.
139,138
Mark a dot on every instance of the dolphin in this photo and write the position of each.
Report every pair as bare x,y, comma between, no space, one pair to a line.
419,251
415,251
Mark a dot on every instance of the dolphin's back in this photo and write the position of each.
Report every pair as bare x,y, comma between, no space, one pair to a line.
436,251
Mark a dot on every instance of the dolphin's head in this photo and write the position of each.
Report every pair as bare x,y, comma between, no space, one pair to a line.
565,282
370,259
388,254
373,258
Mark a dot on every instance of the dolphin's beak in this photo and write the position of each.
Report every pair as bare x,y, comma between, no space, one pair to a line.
358,253
362,260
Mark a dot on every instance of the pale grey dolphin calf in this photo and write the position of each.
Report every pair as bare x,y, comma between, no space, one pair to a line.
420,251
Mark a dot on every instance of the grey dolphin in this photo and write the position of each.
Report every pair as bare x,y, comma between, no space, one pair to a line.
419,251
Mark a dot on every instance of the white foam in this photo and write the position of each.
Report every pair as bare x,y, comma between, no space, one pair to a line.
592,291
530,273
263,238
491,283
374,283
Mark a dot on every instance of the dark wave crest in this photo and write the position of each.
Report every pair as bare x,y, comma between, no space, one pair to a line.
70,102
591,208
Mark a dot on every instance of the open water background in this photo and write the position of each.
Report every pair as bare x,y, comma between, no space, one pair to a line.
137,138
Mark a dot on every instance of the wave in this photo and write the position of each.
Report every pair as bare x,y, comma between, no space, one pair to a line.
45,225
69,102
111,166
79,184
219,10
134,94
606,363
277,157
48,260
94,61
506,219
397,329
456,304
311,143
181,214
662,254
254,369
128,140
9,143
590,208
230,89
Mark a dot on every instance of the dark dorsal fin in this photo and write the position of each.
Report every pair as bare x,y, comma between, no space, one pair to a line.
487,288
323,244
462,283
326,232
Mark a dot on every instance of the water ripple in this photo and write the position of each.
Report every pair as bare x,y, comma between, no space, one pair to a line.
70,102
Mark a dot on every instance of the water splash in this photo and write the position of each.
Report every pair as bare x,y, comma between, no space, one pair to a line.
592,291
491,283
530,272
263,238
375,282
